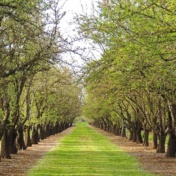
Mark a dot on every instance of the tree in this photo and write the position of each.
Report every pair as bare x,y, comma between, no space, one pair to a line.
30,43
137,61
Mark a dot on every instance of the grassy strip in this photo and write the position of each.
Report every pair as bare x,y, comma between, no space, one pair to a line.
86,152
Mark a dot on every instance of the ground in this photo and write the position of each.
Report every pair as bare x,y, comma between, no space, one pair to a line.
149,159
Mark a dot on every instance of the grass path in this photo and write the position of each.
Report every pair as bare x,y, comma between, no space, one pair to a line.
85,152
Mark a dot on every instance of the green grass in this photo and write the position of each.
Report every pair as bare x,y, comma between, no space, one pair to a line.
85,152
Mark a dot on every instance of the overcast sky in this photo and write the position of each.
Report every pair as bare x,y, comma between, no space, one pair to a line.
67,26
73,7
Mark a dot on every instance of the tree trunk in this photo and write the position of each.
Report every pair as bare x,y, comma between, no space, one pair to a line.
103,127
5,121
2,127
123,132
28,142
53,127
118,131
139,137
47,130
100,125
138,132
146,138
57,127
154,140
35,136
131,135
171,149
134,135
12,138
21,139
111,128
50,129
42,132
161,145
3,131
5,143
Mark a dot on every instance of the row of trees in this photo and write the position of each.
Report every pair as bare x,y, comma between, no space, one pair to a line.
35,92
133,84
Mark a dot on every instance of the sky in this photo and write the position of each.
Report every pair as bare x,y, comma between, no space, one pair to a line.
72,7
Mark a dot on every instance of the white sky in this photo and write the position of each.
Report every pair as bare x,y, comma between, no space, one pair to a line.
73,7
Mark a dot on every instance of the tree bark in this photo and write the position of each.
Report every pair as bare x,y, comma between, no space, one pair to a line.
131,135
42,132
5,143
57,127
47,130
146,138
161,145
171,129
134,135
12,137
139,137
171,149
35,136
123,132
20,138
154,140
28,142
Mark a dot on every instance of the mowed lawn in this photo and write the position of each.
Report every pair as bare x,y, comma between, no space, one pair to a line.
86,152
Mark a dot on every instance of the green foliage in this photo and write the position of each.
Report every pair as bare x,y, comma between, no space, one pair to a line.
32,88
135,77
55,96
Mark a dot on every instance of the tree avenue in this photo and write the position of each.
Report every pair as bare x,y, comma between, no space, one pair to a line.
133,85
38,96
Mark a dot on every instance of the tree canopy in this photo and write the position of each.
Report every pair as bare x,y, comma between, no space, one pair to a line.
133,84
36,90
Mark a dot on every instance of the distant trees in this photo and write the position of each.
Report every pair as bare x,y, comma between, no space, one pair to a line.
133,84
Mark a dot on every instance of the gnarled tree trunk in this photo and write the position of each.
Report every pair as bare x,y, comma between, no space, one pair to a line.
131,135
5,143
35,135
139,139
146,137
171,149
28,142
123,132
171,145
42,132
12,137
154,140
161,145
20,138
